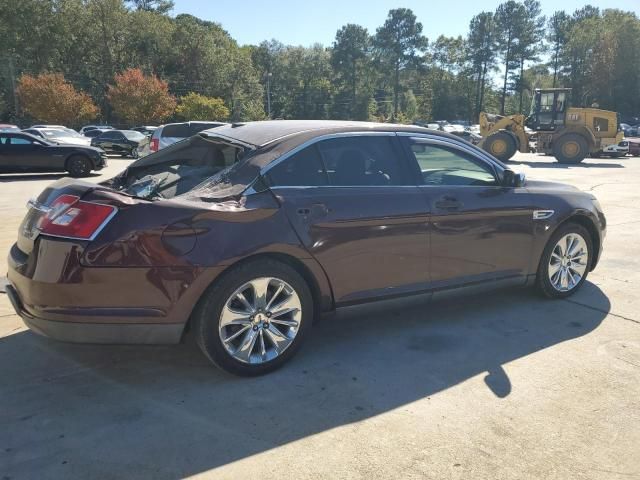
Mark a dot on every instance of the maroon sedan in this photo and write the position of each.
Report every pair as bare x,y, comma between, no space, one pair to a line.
245,233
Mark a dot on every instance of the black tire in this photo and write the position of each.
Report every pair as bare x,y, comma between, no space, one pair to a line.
501,145
570,148
79,166
134,152
543,283
205,318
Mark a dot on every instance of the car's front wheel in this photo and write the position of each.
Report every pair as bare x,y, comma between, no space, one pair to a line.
254,318
79,166
565,261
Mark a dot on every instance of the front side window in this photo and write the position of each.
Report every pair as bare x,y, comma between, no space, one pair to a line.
441,165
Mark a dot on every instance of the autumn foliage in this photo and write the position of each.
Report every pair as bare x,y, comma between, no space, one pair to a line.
140,99
194,106
49,98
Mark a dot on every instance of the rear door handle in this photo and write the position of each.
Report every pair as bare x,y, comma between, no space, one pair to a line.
448,203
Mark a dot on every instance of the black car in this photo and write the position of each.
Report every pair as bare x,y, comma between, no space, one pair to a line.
95,132
22,152
124,142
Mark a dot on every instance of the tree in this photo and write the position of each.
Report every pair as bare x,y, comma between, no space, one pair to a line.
194,106
529,40
140,99
509,22
350,49
397,42
483,52
49,98
557,33
158,6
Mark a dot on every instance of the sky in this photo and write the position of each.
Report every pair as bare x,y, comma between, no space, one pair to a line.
304,22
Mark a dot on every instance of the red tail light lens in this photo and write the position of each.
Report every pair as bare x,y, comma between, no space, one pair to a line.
70,217
155,143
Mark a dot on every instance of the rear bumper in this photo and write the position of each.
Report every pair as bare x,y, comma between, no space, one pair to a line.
58,297
105,333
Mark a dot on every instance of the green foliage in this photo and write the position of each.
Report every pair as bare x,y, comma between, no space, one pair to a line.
194,106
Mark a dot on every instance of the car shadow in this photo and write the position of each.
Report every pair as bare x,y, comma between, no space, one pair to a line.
584,164
165,412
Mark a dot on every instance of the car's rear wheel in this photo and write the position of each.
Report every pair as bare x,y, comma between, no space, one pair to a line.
254,318
79,166
134,152
565,261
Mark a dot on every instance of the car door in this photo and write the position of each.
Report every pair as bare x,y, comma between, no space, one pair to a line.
355,207
479,230
119,143
24,153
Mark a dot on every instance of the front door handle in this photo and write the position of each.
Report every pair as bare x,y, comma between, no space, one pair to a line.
448,203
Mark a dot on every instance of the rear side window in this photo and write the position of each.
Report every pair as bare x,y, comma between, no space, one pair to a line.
362,160
303,169
179,130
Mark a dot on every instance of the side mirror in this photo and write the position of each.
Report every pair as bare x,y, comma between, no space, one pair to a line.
512,179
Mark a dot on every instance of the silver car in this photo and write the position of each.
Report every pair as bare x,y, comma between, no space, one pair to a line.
171,133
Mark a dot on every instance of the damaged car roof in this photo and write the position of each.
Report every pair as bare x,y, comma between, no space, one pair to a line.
262,133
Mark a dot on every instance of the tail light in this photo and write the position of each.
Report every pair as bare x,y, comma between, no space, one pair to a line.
70,217
155,143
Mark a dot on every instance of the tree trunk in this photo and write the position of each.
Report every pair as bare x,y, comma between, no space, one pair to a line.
396,87
353,90
555,64
521,83
484,78
507,59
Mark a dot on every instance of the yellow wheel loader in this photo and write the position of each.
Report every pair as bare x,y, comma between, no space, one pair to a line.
567,133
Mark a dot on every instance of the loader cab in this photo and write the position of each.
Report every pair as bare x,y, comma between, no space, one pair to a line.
548,109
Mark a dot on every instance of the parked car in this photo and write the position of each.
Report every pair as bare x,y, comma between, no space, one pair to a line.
59,127
123,142
23,152
59,136
88,128
7,127
614,150
633,145
245,232
95,132
171,133
145,130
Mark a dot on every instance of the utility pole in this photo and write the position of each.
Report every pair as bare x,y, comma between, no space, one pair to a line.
12,77
269,94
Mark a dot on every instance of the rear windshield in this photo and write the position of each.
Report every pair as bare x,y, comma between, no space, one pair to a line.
179,130
178,169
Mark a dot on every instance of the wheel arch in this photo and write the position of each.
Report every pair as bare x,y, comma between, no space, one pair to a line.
588,223
310,271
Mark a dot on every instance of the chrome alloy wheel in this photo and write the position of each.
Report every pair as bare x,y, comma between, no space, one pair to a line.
568,262
260,320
